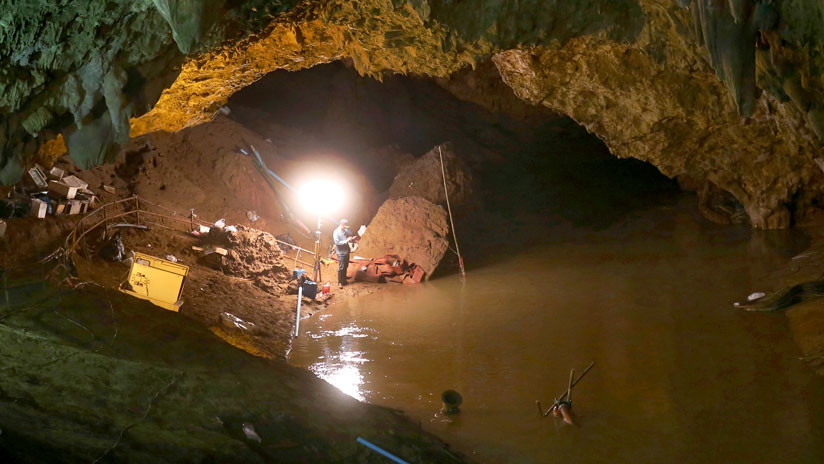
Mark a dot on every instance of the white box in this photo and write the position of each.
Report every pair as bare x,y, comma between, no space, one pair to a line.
74,207
38,177
57,173
62,190
74,181
39,208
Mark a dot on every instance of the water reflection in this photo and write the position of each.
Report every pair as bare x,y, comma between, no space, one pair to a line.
680,376
345,377
341,366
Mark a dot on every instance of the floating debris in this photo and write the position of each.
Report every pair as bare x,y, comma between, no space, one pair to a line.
452,401
562,406
250,432
756,296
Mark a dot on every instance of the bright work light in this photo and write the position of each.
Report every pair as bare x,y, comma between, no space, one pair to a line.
321,196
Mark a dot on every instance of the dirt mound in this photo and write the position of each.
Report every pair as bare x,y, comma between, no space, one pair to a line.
252,254
423,178
413,228
202,168
28,239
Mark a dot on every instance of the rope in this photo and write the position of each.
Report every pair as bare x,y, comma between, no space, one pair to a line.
451,221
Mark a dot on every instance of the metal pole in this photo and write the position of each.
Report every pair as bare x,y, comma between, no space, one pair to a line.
316,270
105,218
137,209
300,299
563,395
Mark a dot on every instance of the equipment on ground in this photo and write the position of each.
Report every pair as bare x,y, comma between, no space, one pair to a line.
297,316
157,280
310,288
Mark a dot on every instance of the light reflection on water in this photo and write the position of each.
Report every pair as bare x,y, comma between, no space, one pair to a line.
344,375
680,376
342,368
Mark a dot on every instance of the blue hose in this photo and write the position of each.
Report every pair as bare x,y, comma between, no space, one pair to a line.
376,449
263,166
271,173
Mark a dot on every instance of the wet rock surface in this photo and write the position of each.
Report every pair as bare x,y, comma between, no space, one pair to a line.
96,376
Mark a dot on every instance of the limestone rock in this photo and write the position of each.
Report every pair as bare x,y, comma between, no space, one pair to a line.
412,227
666,106
423,178
665,81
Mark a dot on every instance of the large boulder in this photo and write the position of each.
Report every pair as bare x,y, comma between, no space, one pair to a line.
424,178
413,228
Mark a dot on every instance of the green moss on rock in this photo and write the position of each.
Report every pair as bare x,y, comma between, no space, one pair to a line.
96,375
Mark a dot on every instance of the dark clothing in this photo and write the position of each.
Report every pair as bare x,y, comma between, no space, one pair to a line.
342,267
113,250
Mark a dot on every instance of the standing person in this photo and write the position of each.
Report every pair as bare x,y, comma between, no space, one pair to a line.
342,236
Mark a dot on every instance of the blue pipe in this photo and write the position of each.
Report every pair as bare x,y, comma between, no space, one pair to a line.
376,449
271,173
277,177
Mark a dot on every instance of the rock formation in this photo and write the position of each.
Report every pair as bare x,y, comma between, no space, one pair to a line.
413,228
659,100
424,178
83,69
729,93
122,381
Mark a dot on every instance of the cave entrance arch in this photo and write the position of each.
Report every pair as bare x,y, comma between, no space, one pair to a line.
527,160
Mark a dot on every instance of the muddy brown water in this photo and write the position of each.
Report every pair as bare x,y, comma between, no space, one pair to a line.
680,375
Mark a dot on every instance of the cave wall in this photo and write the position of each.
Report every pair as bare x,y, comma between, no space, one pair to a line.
434,39
665,105
722,92
82,70
693,111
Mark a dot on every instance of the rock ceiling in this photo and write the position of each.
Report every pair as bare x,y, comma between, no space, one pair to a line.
720,93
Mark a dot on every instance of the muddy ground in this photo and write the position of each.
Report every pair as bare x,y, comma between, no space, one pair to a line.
250,300
203,402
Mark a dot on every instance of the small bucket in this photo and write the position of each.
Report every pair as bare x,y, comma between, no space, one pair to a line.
326,288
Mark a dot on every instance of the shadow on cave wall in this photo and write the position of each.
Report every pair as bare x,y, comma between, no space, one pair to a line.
542,166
